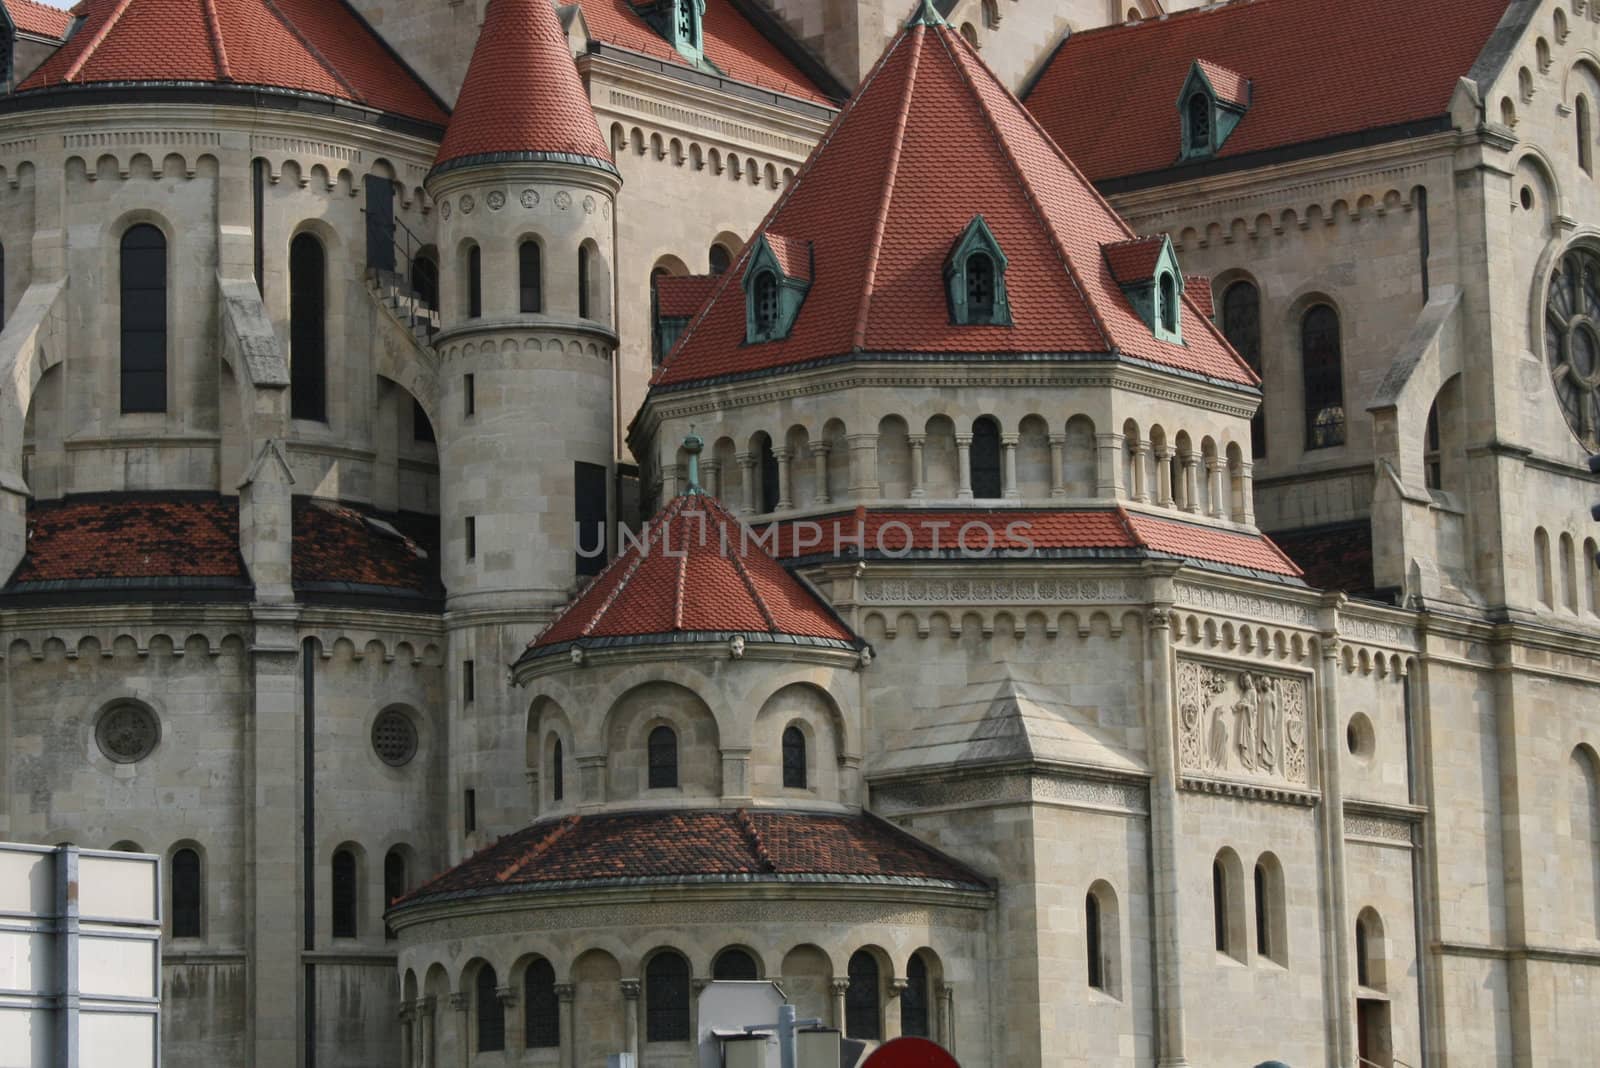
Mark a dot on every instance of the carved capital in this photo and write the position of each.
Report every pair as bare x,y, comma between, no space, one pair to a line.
566,991
1159,618
407,1013
699,986
1058,441
1331,647
507,995
898,987
427,1005
460,1002
963,441
746,459
782,453
917,441
630,989
839,986
821,448
1010,441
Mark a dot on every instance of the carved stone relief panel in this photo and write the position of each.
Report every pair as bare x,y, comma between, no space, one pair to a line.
1246,725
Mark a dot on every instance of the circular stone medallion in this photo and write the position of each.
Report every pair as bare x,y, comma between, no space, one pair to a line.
127,732
394,738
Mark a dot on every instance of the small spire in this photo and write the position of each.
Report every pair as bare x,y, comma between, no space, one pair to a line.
926,15
692,445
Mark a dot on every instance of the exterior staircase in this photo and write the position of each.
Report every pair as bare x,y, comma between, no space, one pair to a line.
393,292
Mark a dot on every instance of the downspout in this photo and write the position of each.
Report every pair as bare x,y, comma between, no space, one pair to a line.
308,653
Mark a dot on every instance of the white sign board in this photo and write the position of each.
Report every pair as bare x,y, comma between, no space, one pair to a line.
729,1005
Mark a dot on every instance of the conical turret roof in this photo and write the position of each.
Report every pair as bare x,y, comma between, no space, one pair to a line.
522,99
930,141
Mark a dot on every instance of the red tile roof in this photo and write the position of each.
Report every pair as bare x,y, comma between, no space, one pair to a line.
738,845
680,296
131,539
339,548
892,533
307,46
1197,287
697,571
522,97
732,44
1134,260
1334,557
1109,96
1230,86
29,16
875,202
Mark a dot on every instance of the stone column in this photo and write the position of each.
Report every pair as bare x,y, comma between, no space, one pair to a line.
408,1015
1191,495
864,483
569,1037
736,772
462,1004
919,472
711,478
630,1017
1338,929
516,1024
747,469
964,466
1164,477
1108,484
425,1054
838,988
1058,465
1008,467
1141,460
1247,496
819,459
1167,944
945,997
1213,488
784,456
892,1024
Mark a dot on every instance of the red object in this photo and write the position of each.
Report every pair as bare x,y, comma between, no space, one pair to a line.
680,296
29,16
1109,97
138,536
911,1053
522,93
931,139
310,46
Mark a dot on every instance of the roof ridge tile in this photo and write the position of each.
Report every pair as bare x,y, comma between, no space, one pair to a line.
753,834
217,46
540,849
94,42
890,173
311,49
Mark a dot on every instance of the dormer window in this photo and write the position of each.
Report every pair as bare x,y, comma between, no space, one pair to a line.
776,279
975,281
1167,300
1146,268
1212,102
1199,124
680,22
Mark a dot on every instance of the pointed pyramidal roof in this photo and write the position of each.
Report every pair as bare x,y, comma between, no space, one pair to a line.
697,574
522,98
317,47
930,140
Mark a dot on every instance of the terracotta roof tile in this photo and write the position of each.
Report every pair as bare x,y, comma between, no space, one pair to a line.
307,46
1109,96
522,93
696,571
732,44
1197,287
1230,86
1253,552
344,549
1334,557
133,538
874,204
1134,260
701,846
680,296
29,16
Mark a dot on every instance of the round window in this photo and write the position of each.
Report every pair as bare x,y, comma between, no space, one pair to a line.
127,732
394,737
1572,342
1358,736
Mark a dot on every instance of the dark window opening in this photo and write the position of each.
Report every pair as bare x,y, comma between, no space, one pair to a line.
589,513
1430,456
1241,325
985,459
1092,932
658,350
1424,240
421,425
980,288
557,783
1169,304
186,894
914,1001
469,681
469,810
663,746
766,303
345,894
721,259
472,538
1322,365
144,320
530,277
425,282
394,884
541,1007
1363,966
769,475
469,395
794,758
474,282
734,964
308,329
1263,938
862,1018
1199,123
584,302
1219,905
2,287
491,1014
666,999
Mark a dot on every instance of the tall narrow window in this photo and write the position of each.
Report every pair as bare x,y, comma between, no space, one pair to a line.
469,810
308,329
530,277
186,894
144,319
469,395
1169,303
1585,136
769,475
980,288
766,296
985,459
394,883
1219,905
794,758
541,1009
1432,467
863,1017
1241,325
1322,365
474,282
472,538
666,998
914,1000
721,259
491,1013
663,746
589,513
584,303
1199,123
345,894
1363,964
1263,937
557,785
1419,198
1092,948
469,681
425,282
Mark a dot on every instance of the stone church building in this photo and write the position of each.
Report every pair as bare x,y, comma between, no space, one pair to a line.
1056,526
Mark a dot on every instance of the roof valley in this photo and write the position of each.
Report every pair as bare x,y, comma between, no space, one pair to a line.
311,49
890,173
94,42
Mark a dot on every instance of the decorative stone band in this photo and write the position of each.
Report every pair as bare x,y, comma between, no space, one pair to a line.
1276,794
1379,829
484,159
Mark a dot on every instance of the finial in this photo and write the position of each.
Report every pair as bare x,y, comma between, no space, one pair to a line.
926,15
692,445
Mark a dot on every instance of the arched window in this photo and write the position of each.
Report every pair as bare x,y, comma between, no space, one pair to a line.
1363,965
863,1017
1433,470
991,14
1371,962
666,998
186,894
394,882
491,1014
1102,938
1541,567
794,758
1169,303
1322,365
1263,903
308,329
1093,949
663,746
541,1009
1585,136
1219,905
474,282
144,319
766,300
980,288
970,34
721,259
556,772
734,964
584,303
1241,325
985,459
769,475
530,277
1199,116
345,894
915,999
425,281
1583,844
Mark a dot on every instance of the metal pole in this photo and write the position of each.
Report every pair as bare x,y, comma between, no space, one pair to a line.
786,1037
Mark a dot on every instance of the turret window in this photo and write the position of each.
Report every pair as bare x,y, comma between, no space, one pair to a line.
794,759
1169,303
980,288
663,758
975,278
585,311
144,319
1199,123
308,334
474,294
766,302
530,277
775,287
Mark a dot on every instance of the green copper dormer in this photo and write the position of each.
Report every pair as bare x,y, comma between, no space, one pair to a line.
680,22
975,278
1146,268
1210,106
776,280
